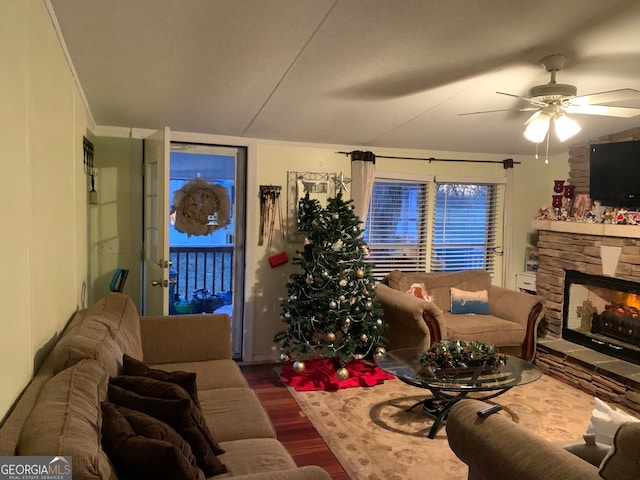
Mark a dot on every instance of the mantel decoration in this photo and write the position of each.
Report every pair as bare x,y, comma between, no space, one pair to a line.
569,206
459,354
200,208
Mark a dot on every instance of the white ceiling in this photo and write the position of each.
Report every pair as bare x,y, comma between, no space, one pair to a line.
372,73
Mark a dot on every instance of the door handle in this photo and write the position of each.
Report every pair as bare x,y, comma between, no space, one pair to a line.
163,283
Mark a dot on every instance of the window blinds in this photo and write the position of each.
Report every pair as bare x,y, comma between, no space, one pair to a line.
396,227
465,221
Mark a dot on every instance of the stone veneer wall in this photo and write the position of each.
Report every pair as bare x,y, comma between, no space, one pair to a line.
604,385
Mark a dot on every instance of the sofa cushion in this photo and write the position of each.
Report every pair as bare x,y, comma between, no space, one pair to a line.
118,312
623,462
179,413
187,380
267,455
235,414
463,301
141,446
91,339
398,281
484,328
211,374
67,418
605,420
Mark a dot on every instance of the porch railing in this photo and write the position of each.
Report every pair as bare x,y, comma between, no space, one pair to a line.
201,268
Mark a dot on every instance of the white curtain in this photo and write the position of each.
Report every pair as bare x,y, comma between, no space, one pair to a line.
362,178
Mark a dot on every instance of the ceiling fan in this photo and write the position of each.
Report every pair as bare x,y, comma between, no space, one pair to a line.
552,101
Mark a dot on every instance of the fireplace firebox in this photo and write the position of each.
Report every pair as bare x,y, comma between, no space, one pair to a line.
602,313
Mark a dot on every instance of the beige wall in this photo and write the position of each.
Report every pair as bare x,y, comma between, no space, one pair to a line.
116,221
42,191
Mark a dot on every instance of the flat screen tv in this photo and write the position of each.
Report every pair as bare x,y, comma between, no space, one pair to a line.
615,174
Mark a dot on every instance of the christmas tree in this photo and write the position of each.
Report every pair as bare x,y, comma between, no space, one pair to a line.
331,309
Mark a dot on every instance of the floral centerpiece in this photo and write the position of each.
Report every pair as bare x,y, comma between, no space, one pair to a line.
459,354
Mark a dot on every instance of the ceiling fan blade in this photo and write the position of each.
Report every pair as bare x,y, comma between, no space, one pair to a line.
526,99
606,110
606,97
501,110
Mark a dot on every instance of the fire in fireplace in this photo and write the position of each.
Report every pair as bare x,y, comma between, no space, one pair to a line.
602,313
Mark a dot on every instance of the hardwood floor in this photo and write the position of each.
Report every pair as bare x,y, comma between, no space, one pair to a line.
296,433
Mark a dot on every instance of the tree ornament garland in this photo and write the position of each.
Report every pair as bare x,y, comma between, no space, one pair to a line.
331,309
201,208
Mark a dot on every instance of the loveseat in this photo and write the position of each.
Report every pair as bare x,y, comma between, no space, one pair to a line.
507,318
114,381
496,448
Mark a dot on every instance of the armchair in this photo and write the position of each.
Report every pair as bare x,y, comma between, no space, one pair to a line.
511,322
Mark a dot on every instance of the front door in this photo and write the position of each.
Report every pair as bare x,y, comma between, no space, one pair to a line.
155,271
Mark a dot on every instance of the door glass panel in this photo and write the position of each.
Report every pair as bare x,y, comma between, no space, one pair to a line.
205,250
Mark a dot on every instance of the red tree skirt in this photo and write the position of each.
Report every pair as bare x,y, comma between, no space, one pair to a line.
320,374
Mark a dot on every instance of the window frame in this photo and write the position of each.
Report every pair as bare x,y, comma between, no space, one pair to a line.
431,182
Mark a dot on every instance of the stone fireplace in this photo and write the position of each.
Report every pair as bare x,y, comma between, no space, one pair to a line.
603,253
594,249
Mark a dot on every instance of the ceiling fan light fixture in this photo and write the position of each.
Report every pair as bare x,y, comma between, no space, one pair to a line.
537,127
566,127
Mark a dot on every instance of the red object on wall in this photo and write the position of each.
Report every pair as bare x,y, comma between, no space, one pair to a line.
320,374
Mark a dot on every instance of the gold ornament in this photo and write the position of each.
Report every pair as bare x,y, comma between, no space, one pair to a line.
360,273
298,366
342,373
331,337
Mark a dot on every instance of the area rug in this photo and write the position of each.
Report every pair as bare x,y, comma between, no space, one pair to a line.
374,438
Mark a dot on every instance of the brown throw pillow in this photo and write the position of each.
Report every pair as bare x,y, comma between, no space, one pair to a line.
181,414
141,446
187,380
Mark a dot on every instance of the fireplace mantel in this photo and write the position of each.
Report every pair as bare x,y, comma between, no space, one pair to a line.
600,229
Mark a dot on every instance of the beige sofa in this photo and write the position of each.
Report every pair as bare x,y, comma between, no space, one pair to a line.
496,448
413,322
60,413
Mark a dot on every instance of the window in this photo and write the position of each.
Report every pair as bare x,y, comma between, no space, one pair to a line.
457,227
396,226
464,227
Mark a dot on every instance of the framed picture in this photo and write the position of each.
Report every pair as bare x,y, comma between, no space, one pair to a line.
531,259
581,205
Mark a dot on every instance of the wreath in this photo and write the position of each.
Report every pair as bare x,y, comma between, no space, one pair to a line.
200,208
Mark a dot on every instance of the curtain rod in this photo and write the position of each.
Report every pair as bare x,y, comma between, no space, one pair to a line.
506,163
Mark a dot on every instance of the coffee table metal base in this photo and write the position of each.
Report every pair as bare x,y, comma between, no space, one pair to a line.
438,407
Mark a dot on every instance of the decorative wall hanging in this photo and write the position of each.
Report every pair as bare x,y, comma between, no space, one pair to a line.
269,209
320,186
89,169
200,207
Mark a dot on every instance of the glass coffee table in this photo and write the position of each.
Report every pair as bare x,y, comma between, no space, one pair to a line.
449,387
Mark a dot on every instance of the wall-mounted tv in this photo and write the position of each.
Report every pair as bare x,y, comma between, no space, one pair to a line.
615,174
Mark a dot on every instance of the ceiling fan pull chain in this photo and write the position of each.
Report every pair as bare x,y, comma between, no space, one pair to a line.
546,160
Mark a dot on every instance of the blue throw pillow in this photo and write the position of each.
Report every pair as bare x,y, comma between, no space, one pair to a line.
469,302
